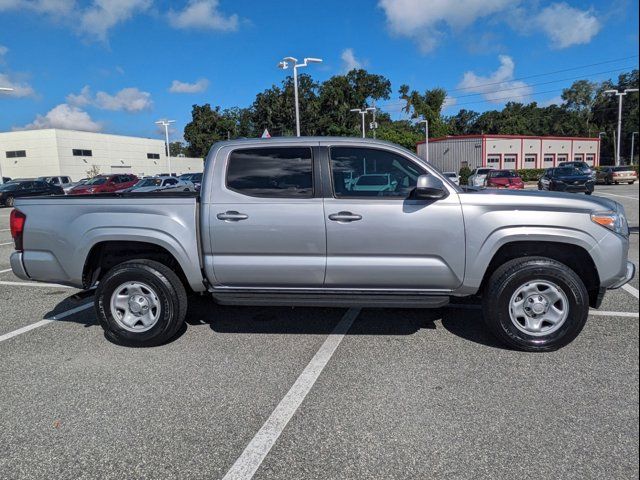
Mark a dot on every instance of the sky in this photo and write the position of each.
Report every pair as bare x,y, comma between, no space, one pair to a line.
117,66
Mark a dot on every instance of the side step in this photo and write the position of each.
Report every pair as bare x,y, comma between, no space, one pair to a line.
321,299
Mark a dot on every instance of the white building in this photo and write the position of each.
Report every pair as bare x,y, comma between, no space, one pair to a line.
509,151
34,153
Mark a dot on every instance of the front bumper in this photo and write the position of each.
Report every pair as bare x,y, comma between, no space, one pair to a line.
629,274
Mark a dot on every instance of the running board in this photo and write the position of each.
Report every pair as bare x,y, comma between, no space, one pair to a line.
383,300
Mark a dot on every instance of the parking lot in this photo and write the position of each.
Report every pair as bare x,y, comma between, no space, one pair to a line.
313,393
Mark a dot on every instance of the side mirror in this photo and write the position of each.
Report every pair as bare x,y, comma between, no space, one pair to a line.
429,187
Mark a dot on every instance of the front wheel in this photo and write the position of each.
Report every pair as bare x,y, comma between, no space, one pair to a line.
588,193
140,303
535,304
630,183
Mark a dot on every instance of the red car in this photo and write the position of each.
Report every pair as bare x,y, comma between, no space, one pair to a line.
504,179
105,184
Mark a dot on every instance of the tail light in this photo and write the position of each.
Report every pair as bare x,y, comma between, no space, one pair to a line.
16,223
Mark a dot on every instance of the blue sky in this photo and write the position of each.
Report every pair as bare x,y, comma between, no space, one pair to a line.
110,65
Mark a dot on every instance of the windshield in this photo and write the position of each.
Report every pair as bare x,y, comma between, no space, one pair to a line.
504,174
622,169
149,182
566,171
97,181
450,174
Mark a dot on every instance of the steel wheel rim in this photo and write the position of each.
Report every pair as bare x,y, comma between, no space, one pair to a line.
135,306
538,308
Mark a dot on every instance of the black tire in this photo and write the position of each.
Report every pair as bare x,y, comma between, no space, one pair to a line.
631,183
607,182
166,285
508,278
588,193
9,202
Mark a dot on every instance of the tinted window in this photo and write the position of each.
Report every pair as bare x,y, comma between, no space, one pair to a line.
567,171
622,169
271,172
368,172
16,154
97,181
81,153
503,174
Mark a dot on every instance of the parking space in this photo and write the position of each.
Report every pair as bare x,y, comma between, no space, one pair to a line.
403,394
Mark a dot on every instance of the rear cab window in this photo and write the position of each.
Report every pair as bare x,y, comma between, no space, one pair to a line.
274,172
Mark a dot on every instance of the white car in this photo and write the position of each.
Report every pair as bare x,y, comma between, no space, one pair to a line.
61,181
453,176
478,177
161,184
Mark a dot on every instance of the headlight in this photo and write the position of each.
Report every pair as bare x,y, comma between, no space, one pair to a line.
612,220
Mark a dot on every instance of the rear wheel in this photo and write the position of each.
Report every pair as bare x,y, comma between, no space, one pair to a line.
535,304
141,303
9,201
631,183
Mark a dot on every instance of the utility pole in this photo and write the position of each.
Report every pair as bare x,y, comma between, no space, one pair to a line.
633,137
426,139
362,112
165,124
293,63
7,90
600,134
620,95
373,126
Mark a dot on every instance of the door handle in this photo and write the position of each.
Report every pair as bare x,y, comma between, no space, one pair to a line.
345,217
232,216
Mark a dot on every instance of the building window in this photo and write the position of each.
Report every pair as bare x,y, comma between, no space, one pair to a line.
82,153
530,160
153,156
17,154
578,157
493,161
562,157
549,160
591,159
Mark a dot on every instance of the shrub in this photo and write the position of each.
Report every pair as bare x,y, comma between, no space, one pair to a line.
531,174
465,173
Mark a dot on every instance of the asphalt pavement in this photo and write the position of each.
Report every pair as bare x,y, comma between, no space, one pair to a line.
284,393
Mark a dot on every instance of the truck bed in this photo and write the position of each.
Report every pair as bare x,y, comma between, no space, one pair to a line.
61,231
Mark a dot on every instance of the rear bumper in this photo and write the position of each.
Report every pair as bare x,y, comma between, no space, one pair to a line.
18,266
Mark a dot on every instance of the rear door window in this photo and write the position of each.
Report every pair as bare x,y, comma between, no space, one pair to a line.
277,172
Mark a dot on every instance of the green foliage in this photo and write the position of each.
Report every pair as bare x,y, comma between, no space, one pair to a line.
465,173
177,148
531,174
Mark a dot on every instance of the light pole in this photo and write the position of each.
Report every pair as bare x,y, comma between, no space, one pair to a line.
362,112
7,90
293,62
600,135
633,137
426,139
373,126
620,95
165,124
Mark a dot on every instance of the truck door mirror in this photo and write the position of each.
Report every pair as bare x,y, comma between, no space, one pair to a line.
429,187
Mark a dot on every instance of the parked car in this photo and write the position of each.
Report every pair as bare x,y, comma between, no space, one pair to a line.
6,179
453,176
478,177
195,178
161,184
504,179
566,179
61,181
105,184
68,188
609,175
30,188
582,167
267,230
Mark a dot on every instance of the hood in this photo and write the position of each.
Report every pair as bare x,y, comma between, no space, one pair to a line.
572,178
540,200
152,188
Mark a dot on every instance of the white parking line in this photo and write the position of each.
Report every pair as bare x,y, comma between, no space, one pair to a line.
599,313
632,290
615,195
27,284
251,458
8,229
5,243
45,321
5,271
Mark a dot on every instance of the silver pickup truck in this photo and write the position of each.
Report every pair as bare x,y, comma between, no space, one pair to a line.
328,222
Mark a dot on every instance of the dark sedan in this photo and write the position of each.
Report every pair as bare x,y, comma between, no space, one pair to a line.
30,188
566,179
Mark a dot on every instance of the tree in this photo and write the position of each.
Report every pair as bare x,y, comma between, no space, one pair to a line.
177,148
212,125
427,106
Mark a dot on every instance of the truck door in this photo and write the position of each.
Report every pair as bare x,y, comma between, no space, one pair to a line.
376,236
266,218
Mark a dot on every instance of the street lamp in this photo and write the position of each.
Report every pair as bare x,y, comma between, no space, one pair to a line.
600,135
633,137
165,124
620,95
426,139
293,63
363,112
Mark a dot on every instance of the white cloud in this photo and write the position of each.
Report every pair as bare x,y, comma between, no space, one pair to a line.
497,87
102,15
424,21
3,50
64,116
203,14
551,101
566,26
184,87
128,99
54,8
449,102
20,89
349,60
